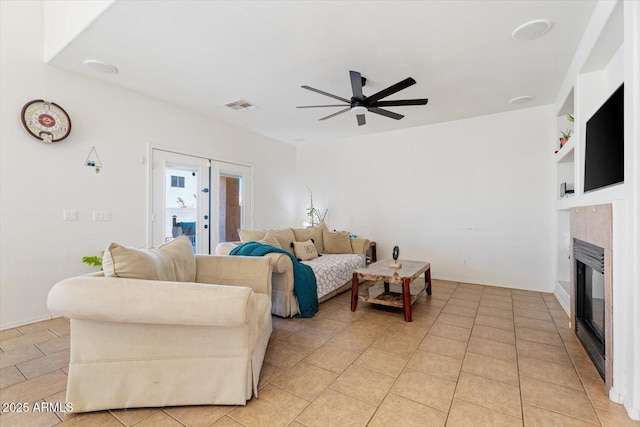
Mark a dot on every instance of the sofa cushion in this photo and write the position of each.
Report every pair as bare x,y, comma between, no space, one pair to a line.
173,261
336,242
251,235
313,233
332,271
304,251
270,239
285,238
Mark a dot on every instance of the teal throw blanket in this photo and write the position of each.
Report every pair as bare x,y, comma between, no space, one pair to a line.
304,280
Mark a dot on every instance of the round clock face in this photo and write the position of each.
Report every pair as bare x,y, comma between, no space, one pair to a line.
46,121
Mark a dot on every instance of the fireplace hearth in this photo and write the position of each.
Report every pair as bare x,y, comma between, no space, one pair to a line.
590,303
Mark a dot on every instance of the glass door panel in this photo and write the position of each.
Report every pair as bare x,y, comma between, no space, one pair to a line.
233,187
181,199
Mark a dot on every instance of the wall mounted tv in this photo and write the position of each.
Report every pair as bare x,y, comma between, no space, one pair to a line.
604,147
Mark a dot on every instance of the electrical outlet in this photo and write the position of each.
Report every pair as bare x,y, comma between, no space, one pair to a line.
102,215
464,261
70,215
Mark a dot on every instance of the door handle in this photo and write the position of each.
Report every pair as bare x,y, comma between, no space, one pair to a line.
205,190
206,226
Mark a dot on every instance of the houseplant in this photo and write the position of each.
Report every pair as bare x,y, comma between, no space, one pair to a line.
314,215
565,137
95,260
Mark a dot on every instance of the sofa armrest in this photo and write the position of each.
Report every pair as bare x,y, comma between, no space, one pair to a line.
254,272
359,245
280,263
225,247
115,299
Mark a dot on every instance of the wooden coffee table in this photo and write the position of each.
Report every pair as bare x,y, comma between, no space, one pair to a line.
373,284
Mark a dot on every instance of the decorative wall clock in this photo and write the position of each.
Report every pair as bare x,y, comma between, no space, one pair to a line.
45,120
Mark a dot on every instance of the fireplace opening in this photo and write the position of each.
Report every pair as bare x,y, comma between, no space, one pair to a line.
590,310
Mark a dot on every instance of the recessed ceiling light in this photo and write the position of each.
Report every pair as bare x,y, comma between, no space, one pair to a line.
521,100
531,30
100,66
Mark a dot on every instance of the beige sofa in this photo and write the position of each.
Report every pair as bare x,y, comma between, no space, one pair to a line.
151,343
333,270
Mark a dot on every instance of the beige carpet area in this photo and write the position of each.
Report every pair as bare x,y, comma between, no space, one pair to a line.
473,355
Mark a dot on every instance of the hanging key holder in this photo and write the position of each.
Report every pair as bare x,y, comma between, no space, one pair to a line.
93,160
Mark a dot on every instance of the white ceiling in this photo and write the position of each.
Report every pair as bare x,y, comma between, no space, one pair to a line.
203,54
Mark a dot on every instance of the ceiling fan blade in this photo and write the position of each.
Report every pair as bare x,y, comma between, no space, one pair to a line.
318,106
356,85
335,114
361,120
400,103
326,94
386,113
391,90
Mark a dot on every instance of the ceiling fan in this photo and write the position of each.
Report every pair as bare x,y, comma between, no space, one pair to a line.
359,104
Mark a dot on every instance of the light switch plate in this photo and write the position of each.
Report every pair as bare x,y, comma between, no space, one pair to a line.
102,215
70,215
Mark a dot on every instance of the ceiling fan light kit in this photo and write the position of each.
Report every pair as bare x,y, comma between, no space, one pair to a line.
359,104
358,110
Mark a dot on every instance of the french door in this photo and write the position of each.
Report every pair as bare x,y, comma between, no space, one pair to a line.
206,200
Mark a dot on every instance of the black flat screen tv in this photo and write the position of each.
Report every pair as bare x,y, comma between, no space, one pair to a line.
604,146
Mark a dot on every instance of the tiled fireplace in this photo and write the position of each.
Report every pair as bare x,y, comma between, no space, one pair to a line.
591,284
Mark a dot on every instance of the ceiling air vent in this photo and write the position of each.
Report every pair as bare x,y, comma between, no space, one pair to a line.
241,105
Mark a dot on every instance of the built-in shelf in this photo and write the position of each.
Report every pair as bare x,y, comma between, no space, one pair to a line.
563,259
565,153
597,70
565,203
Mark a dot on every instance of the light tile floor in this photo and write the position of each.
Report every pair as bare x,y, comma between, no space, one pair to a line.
473,355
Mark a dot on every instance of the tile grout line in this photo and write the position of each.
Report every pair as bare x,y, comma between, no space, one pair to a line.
466,348
515,341
577,374
405,367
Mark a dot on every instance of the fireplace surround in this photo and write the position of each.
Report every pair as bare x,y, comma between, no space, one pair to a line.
591,284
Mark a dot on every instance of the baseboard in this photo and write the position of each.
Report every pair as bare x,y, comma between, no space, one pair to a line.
634,413
26,322
563,298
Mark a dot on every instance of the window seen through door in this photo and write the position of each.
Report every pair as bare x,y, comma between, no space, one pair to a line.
177,181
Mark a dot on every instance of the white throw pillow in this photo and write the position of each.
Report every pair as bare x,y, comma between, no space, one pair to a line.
172,261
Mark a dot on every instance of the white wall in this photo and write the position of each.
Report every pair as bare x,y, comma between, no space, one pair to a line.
479,189
39,181
66,19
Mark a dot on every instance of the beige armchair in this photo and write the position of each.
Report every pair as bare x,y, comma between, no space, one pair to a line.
150,343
